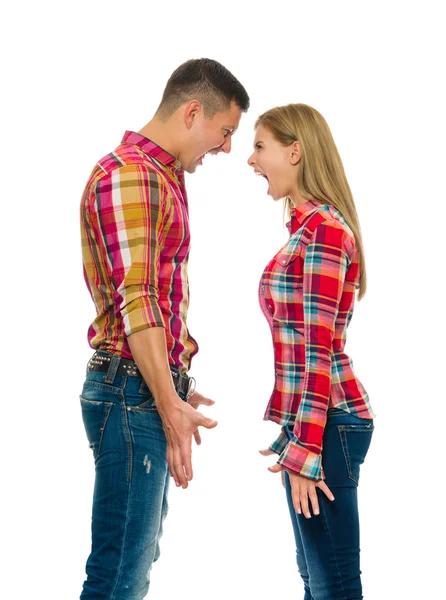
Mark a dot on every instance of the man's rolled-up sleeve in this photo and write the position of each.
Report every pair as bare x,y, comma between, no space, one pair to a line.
131,209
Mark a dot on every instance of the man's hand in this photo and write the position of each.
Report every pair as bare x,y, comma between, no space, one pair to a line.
195,401
180,422
302,489
180,419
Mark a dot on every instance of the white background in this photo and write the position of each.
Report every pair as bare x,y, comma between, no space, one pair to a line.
75,77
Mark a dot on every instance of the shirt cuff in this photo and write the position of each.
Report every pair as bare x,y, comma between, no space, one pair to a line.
278,445
141,313
297,459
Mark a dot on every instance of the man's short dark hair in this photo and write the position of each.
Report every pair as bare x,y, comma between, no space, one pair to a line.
205,80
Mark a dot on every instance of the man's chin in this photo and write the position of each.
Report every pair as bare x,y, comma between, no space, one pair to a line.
190,168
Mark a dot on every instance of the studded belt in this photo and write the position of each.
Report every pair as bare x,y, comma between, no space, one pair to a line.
127,367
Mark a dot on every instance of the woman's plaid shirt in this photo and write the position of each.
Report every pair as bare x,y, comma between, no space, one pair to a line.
135,248
307,293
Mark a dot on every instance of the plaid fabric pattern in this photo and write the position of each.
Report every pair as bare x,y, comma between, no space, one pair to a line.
135,248
307,294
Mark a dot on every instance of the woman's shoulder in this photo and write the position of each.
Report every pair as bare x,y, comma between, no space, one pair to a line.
333,228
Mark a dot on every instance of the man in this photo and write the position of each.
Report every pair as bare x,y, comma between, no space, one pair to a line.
138,405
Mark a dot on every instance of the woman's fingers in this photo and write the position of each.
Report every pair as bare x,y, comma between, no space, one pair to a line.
303,496
296,500
324,487
266,452
313,499
275,468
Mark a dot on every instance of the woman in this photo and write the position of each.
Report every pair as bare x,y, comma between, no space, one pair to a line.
307,294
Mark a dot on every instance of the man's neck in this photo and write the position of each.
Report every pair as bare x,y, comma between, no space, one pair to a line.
159,133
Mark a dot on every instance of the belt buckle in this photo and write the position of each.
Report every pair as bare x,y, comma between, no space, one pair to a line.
191,386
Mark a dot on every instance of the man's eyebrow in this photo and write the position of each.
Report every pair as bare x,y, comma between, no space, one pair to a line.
230,129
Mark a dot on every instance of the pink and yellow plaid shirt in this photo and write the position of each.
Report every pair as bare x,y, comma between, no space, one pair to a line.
307,293
135,248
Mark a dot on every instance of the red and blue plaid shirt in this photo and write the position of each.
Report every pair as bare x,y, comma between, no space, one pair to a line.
307,293
135,248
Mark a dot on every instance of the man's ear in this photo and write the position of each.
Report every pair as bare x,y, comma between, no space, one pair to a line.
191,112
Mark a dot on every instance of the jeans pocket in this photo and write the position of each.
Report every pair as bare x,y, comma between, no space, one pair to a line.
143,400
355,441
95,415
147,405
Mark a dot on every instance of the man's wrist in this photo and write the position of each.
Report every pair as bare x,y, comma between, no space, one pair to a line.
169,398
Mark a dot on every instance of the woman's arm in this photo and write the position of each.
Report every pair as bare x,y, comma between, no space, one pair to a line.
327,258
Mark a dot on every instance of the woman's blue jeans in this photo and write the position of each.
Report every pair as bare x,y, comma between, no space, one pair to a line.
327,546
126,435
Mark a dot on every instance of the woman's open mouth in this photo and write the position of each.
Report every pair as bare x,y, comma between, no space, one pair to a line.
261,174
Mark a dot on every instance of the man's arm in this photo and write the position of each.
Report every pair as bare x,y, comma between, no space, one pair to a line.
131,211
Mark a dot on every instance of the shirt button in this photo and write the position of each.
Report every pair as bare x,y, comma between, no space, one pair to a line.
284,262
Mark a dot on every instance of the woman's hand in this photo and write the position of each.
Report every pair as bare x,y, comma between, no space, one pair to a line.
302,489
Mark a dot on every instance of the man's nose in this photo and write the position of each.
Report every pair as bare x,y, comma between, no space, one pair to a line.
226,147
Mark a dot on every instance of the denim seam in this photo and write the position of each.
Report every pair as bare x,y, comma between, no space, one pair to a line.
103,386
128,440
344,444
333,549
137,409
102,428
109,404
123,544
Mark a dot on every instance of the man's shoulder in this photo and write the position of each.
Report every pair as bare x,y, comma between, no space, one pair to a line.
124,157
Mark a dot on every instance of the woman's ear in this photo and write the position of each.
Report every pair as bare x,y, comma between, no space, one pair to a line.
295,153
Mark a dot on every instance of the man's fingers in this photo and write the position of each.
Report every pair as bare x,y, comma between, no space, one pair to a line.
197,399
169,457
206,401
324,487
266,452
282,475
178,467
208,423
197,437
186,458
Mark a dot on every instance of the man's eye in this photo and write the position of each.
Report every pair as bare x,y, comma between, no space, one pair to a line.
227,132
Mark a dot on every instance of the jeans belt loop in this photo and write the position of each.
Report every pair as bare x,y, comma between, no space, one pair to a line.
112,369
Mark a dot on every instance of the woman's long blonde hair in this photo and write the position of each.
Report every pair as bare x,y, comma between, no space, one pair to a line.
321,174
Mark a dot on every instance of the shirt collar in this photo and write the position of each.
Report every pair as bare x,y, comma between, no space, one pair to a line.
300,213
152,149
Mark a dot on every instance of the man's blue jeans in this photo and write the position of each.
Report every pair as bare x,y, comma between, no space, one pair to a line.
327,546
132,478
